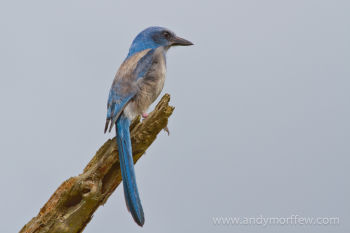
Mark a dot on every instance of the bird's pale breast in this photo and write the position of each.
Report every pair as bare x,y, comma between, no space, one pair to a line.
150,86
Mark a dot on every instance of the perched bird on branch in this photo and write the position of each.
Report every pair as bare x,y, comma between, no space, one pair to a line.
136,86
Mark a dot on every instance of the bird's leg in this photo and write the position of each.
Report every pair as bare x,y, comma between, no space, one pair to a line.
145,115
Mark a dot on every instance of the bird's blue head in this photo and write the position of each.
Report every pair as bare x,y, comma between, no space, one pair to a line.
154,37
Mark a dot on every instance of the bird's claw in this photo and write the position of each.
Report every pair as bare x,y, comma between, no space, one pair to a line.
166,129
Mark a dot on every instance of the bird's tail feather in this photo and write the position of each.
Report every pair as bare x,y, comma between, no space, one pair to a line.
127,169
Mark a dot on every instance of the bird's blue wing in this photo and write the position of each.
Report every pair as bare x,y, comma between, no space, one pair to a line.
144,64
124,86
116,104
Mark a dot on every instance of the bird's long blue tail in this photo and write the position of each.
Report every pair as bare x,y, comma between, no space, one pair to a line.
127,169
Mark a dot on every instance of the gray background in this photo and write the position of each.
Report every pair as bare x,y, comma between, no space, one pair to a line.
261,124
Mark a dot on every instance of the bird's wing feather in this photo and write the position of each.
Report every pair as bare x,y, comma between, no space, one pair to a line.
124,86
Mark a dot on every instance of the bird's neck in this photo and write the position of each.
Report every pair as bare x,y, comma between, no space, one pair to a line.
138,47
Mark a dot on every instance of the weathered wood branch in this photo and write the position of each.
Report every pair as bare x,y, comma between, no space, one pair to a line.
72,205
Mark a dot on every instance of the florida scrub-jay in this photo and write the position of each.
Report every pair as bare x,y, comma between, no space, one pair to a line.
136,86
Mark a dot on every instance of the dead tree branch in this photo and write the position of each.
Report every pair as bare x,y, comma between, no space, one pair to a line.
72,205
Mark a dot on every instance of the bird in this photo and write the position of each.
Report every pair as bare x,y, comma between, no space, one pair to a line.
137,84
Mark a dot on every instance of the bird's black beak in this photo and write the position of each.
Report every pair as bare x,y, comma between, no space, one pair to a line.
178,41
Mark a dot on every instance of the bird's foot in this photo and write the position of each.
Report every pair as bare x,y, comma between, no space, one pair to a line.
166,129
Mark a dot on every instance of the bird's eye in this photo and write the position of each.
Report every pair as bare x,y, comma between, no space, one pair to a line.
166,35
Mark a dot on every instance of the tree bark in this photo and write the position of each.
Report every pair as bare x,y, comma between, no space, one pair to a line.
72,205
